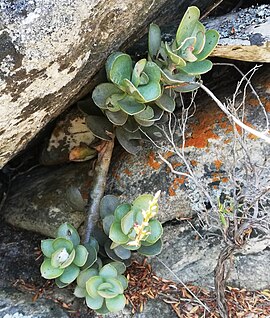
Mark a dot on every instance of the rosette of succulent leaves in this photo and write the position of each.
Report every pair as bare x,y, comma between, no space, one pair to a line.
130,227
138,96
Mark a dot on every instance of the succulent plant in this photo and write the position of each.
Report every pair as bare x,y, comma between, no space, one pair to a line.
186,58
131,226
132,101
103,289
64,256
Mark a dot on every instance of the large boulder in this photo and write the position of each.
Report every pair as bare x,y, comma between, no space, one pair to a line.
50,50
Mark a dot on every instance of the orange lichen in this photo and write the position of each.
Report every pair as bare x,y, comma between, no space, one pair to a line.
202,129
176,164
225,180
127,172
152,162
176,183
194,163
253,102
167,154
217,164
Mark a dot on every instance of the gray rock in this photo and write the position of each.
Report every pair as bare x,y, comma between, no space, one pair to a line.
16,304
192,259
50,50
38,200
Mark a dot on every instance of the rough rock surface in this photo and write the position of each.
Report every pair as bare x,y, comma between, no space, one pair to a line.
50,50
193,259
42,199
16,304
244,34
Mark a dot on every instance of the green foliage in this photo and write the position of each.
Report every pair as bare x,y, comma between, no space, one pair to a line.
132,227
138,95
185,59
64,256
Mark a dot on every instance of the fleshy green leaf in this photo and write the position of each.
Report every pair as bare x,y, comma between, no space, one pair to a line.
116,234
131,125
70,274
107,222
129,141
198,67
119,67
127,222
123,280
103,310
48,271
102,92
137,71
108,204
75,198
211,40
113,288
154,40
122,252
94,303
119,266
92,285
80,292
142,202
146,114
130,106
59,283
99,125
92,256
156,231
166,103
62,242
60,257
69,232
117,118
110,253
151,250
187,24
116,304
80,256
47,248
121,211
176,59
108,271
69,260
144,123
85,275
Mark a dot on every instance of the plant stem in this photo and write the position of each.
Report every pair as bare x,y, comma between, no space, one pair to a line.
98,187
221,278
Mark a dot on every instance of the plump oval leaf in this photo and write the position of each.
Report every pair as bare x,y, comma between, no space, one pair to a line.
92,256
116,304
211,40
100,126
123,280
166,103
108,204
121,211
176,59
198,67
142,202
70,274
107,222
69,232
146,114
75,199
154,40
48,271
111,288
130,106
92,285
80,256
119,266
156,231
122,252
116,234
59,284
118,67
118,118
47,247
127,222
108,271
85,275
187,24
69,260
151,250
80,292
59,257
62,242
137,71
102,92
94,303
129,141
